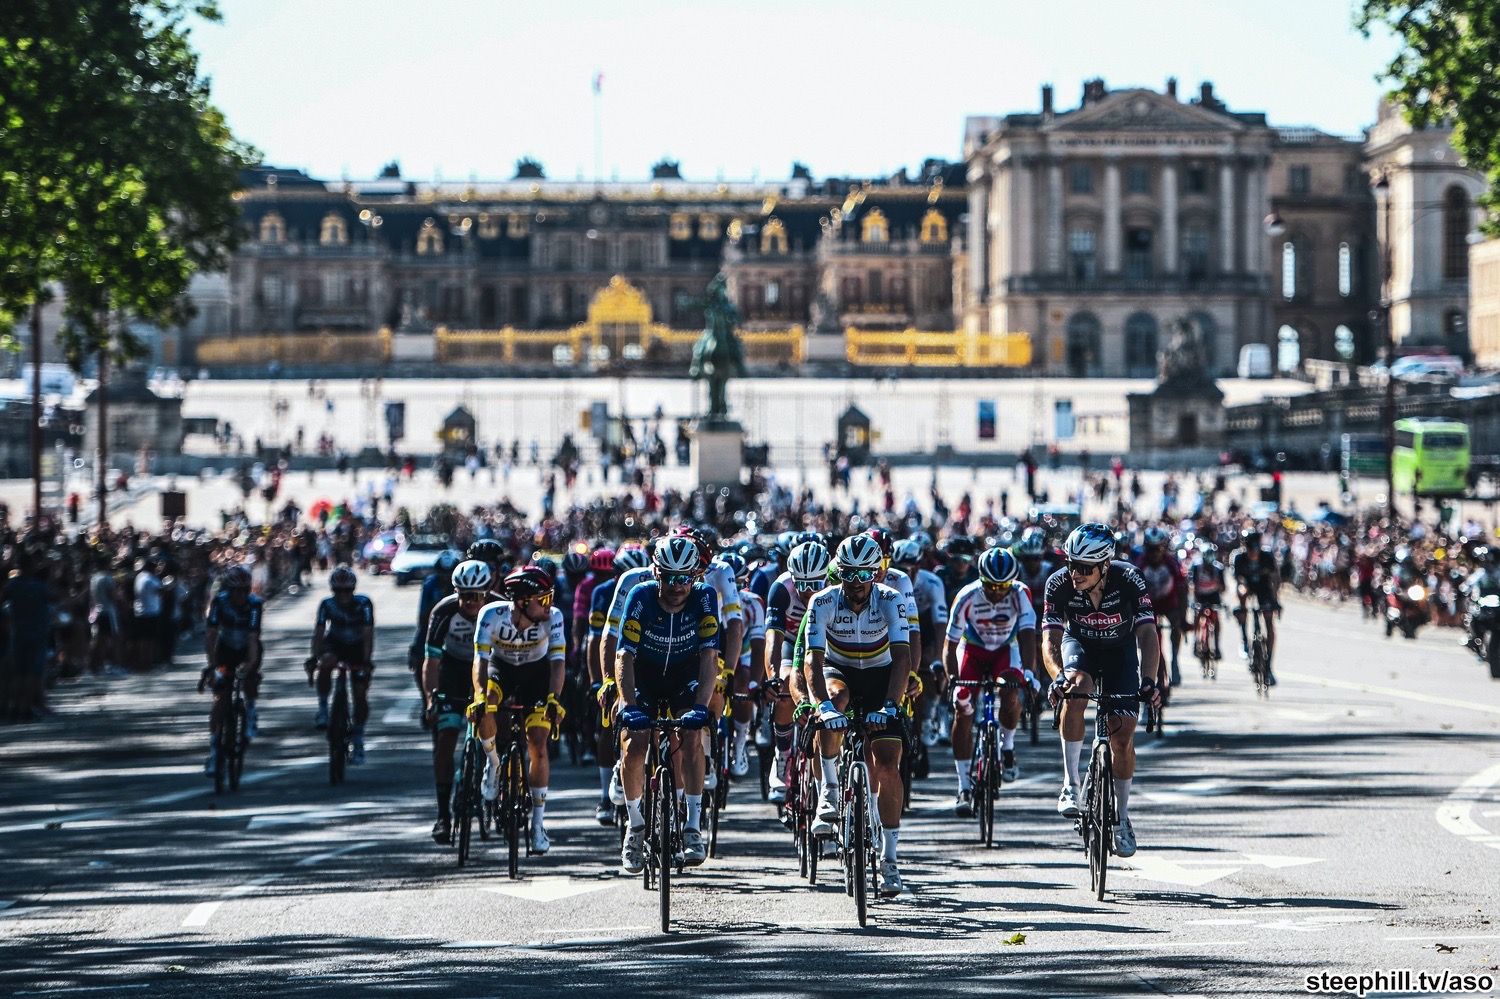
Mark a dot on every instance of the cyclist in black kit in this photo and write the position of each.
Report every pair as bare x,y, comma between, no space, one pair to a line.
345,632
1095,613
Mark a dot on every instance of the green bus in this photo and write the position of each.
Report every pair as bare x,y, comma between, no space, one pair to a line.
1431,457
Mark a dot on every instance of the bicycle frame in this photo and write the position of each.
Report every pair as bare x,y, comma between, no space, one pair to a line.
984,767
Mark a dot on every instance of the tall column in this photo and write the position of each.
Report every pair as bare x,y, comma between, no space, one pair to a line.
1226,216
979,236
1256,211
1054,216
1169,214
1112,215
1023,217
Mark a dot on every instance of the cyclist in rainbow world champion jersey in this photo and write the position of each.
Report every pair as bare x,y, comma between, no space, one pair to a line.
1095,613
858,658
519,650
669,656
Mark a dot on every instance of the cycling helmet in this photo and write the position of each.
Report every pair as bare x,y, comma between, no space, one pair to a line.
883,538
923,539
631,557
785,542
958,546
603,560
997,565
906,552
342,578
575,563
808,537
677,554
808,562
447,562
1090,543
472,574
1155,537
486,550
751,552
528,581
237,577
859,552
737,566
692,534
1033,543
547,565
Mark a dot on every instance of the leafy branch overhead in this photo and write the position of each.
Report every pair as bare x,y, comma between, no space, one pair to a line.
117,175
1446,70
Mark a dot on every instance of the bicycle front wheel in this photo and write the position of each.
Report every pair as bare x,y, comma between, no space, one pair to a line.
463,799
228,736
237,745
1101,819
991,784
665,849
338,734
856,847
512,779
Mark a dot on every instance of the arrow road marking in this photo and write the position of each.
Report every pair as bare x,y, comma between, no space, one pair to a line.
1160,869
1272,860
546,889
1455,814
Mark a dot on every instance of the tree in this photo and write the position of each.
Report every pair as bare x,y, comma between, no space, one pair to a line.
1446,70
117,175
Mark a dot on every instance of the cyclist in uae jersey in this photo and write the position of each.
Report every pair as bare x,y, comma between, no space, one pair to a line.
520,646
991,635
446,675
1095,614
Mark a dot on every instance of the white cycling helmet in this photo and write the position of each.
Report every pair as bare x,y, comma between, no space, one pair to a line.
678,554
859,551
1033,543
1090,543
906,552
808,562
631,557
472,574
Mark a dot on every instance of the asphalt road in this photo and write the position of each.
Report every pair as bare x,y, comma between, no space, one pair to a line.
1351,823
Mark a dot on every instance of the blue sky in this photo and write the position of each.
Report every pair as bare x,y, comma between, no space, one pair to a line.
739,90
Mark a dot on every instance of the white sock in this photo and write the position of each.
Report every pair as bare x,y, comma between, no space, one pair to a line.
694,804
888,839
681,795
741,733
1122,798
1072,752
962,766
491,752
605,773
830,771
1007,738
538,805
633,809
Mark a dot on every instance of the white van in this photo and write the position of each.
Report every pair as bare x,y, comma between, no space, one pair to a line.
1255,361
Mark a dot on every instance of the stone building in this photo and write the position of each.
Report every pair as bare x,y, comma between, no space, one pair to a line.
1484,302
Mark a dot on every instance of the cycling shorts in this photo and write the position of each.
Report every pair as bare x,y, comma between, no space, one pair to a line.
978,663
1213,599
869,689
673,693
1115,669
450,715
526,683
352,655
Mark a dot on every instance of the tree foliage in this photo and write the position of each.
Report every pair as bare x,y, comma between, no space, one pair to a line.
117,175
1446,69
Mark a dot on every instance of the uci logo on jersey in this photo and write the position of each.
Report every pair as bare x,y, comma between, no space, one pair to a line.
708,626
631,630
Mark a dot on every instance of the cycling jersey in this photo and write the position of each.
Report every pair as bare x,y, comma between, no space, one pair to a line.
785,608
345,626
583,600
1163,581
1124,606
901,583
623,586
763,578
859,640
1036,582
663,641
932,607
497,636
450,640
235,625
1206,580
1256,571
721,578
754,610
599,602
979,622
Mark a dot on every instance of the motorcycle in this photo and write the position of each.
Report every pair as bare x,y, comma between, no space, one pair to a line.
1405,607
1484,630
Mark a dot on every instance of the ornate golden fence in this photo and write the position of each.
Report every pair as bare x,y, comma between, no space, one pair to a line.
886,348
298,348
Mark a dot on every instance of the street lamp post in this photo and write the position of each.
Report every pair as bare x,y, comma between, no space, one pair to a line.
1382,318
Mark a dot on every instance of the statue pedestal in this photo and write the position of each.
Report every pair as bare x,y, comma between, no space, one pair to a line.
413,347
715,452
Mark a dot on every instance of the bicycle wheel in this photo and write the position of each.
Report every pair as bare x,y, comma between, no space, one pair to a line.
1033,722
978,784
665,803
1100,818
855,848
226,738
991,791
766,756
463,799
338,731
511,805
237,744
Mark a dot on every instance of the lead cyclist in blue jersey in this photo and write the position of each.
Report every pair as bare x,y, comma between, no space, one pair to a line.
1096,611
669,659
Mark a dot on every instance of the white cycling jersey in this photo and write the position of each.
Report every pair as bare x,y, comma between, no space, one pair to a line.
754,610
990,624
901,583
851,640
496,636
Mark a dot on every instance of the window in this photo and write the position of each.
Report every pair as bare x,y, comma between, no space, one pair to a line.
1195,242
489,227
1346,271
1195,179
1138,254
877,287
1140,346
1081,178
1288,349
598,253
1082,262
773,294
333,288
1083,345
1457,220
634,256
429,239
708,227
517,226
1138,178
681,226
562,254
270,291
773,236
334,231
850,292
1288,271
1299,179
272,228
934,227
875,228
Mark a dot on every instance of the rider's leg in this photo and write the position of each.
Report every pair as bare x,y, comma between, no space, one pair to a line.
444,742
633,774
1122,749
829,742
1010,717
962,734
536,744
884,758
692,754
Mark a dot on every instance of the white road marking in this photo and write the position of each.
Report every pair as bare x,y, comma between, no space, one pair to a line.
1275,861
1450,936
78,988
204,911
1161,869
318,858
6,912
1399,692
306,815
547,889
1455,814
476,944
404,710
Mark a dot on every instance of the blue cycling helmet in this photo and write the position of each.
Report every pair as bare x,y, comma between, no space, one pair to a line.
998,566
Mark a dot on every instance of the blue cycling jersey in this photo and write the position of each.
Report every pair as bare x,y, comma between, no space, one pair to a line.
666,641
346,625
235,624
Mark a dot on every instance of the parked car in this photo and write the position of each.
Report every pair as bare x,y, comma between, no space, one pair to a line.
1428,366
417,556
380,550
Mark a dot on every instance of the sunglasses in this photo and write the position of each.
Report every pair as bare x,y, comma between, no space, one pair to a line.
470,598
676,578
856,575
997,587
1082,568
541,598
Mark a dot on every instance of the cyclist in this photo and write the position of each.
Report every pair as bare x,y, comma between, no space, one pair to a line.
957,569
519,652
1206,584
602,679
601,568
991,633
1167,584
446,681
575,568
932,621
492,553
764,577
750,664
807,567
902,584
857,659
344,633
434,588
232,642
669,655
1095,614
1255,573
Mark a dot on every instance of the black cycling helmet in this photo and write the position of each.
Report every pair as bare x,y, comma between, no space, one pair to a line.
527,581
958,546
487,550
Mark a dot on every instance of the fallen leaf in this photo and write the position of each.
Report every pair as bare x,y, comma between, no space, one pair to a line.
1445,726
1443,948
1019,938
54,825
176,967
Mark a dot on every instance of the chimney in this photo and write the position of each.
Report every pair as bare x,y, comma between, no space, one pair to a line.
1094,91
1047,100
1172,87
1206,94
